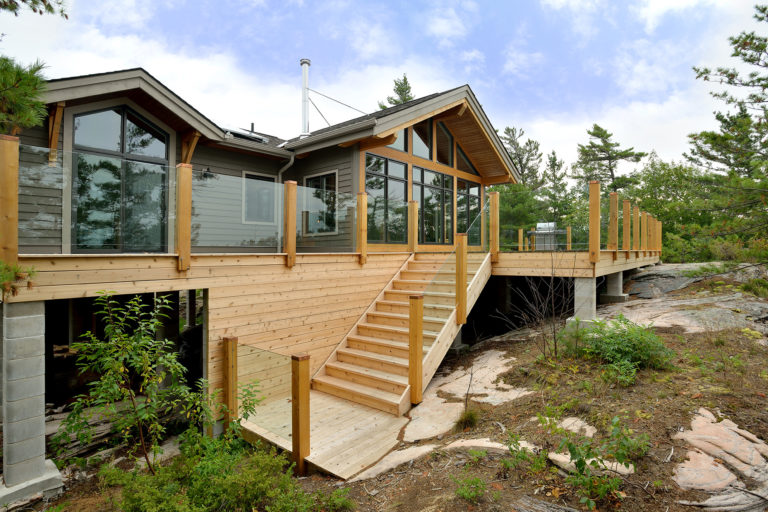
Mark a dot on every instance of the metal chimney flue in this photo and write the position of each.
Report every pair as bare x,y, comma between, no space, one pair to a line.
305,97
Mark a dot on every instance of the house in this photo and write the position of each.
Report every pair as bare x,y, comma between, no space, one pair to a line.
317,249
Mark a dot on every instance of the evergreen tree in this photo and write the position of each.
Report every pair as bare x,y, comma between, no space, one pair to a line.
599,159
402,90
38,6
20,90
526,156
557,198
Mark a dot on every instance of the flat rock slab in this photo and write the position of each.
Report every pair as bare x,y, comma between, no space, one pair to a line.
723,454
578,426
487,444
394,459
563,461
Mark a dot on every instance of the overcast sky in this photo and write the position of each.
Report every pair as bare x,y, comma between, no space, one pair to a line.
551,67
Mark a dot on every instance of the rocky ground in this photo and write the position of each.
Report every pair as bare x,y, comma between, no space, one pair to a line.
706,418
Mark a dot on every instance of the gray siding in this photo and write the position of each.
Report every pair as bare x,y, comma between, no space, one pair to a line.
217,203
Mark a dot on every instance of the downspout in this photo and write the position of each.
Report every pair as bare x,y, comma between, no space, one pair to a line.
285,167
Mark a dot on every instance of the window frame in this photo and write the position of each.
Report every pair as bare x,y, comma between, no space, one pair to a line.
385,175
335,231
124,157
446,204
244,175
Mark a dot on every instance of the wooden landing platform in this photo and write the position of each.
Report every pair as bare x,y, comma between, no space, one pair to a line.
570,264
345,437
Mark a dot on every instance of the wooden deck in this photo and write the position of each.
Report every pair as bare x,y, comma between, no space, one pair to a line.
570,264
345,437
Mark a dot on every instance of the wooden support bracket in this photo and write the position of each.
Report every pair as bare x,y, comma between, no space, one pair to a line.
54,128
188,145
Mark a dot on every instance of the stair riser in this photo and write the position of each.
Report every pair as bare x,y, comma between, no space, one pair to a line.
402,309
373,318
448,287
433,268
378,349
365,380
373,364
384,333
350,394
403,297
448,276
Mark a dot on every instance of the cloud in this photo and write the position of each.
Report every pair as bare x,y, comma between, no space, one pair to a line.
474,60
652,11
517,61
582,14
370,40
450,22
644,67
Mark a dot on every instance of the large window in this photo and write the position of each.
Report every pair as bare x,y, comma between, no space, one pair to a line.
444,145
259,205
468,209
422,139
120,183
434,193
318,214
386,182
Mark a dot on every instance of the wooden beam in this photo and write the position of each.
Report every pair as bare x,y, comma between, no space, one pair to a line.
416,347
413,226
362,226
594,221
494,234
230,379
613,222
289,217
377,142
188,145
300,411
54,128
421,118
183,215
636,228
9,199
461,279
625,220
568,238
462,109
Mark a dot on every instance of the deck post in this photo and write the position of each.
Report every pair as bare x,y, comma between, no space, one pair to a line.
494,235
9,199
289,218
362,226
230,379
461,279
625,225
594,221
300,410
636,229
644,232
661,238
613,223
520,240
533,239
183,215
416,347
413,226
568,238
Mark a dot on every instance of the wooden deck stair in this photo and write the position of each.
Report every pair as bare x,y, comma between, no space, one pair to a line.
370,365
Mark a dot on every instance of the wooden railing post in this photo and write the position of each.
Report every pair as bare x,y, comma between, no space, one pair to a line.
300,410
661,238
183,215
415,347
9,199
362,226
568,238
533,238
651,234
289,218
520,240
625,225
636,229
413,226
230,379
594,221
494,235
643,232
461,279
613,222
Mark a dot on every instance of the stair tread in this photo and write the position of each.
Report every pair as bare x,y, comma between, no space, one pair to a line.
354,387
422,292
383,341
379,374
374,355
396,303
389,314
402,330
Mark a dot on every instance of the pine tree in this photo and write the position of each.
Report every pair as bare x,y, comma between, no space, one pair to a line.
20,90
37,6
526,157
402,90
557,198
599,159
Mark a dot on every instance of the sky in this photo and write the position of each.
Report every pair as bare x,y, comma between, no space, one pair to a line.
550,67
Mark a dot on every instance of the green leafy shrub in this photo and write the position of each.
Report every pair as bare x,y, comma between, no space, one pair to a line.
471,489
622,373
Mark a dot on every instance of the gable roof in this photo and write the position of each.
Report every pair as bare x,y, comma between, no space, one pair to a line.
141,85
386,121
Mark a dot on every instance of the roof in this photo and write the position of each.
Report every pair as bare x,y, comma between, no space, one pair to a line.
382,122
139,81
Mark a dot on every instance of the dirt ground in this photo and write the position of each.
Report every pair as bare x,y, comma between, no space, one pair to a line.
724,371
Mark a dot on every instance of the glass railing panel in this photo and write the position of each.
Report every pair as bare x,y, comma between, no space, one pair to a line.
42,186
272,373
478,232
325,220
387,219
439,296
236,213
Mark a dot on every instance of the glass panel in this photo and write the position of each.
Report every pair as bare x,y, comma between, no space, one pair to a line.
417,175
144,204
41,187
396,169
422,139
222,206
374,186
448,182
99,130
397,212
433,178
317,206
463,163
141,138
96,194
325,218
462,213
432,214
401,142
474,188
448,224
259,201
444,145
374,164
473,233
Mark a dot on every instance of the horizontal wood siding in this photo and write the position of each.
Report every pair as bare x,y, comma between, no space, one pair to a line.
41,190
217,203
